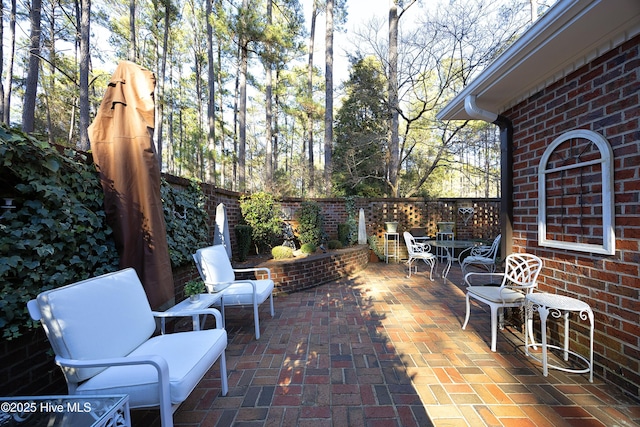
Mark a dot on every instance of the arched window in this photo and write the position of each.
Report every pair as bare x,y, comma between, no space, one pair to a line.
575,194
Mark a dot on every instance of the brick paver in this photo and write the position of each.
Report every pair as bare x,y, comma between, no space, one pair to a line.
379,349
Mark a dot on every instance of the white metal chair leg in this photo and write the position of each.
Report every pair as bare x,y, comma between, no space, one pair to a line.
223,374
466,318
494,327
256,320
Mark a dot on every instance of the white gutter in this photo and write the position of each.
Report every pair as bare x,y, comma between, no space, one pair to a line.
476,112
569,35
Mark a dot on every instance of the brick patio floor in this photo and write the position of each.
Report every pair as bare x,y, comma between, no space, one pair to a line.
378,349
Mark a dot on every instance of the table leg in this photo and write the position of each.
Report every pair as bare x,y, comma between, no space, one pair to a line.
590,315
445,272
196,322
566,336
544,313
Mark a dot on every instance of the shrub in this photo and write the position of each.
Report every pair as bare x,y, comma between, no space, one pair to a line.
57,234
352,222
373,245
334,244
282,252
343,234
310,223
308,248
186,221
262,213
243,234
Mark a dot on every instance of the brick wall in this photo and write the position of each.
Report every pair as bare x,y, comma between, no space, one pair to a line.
26,364
602,96
296,275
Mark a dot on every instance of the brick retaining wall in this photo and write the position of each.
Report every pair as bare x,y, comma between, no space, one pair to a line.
302,273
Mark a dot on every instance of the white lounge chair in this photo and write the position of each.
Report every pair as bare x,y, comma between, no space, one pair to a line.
219,276
101,332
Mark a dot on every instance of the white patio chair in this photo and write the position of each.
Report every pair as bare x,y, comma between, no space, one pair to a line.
481,256
101,332
519,279
419,251
219,276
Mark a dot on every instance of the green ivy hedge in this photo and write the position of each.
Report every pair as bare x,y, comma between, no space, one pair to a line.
186,218
58,233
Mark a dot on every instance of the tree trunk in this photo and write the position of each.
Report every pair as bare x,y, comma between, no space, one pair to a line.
161,80
223,169
84,74
242,102
6,118
393,99
276,127
242,114
328,112
1,59
211,104
269,109
132,31
309,124
31,88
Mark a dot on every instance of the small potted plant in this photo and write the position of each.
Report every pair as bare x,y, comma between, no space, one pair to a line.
193,289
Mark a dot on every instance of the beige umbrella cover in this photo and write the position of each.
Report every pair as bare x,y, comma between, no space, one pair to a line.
123,151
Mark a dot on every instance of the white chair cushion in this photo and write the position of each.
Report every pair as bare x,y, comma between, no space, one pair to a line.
75,318
477,260
496,294
215,256
423,255
188,354
242,293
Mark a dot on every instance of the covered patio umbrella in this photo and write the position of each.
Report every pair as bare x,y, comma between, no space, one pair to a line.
123,151
221,229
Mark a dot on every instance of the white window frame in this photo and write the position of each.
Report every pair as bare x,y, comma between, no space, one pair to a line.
608,246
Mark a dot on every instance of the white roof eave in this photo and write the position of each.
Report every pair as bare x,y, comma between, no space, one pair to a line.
571,34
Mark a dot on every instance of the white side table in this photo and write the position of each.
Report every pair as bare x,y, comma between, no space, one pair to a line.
205,301
392,239
558,306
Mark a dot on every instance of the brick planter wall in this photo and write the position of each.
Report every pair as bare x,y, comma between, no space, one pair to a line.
303,273
602,96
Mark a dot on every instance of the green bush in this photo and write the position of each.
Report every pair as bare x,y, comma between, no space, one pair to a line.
58,232
352,221
334,244
308,248
373,245
343,234
310,223
243,234
281,252
262,213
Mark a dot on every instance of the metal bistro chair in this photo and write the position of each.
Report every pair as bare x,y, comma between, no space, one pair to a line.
519,279
419,251
482,256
